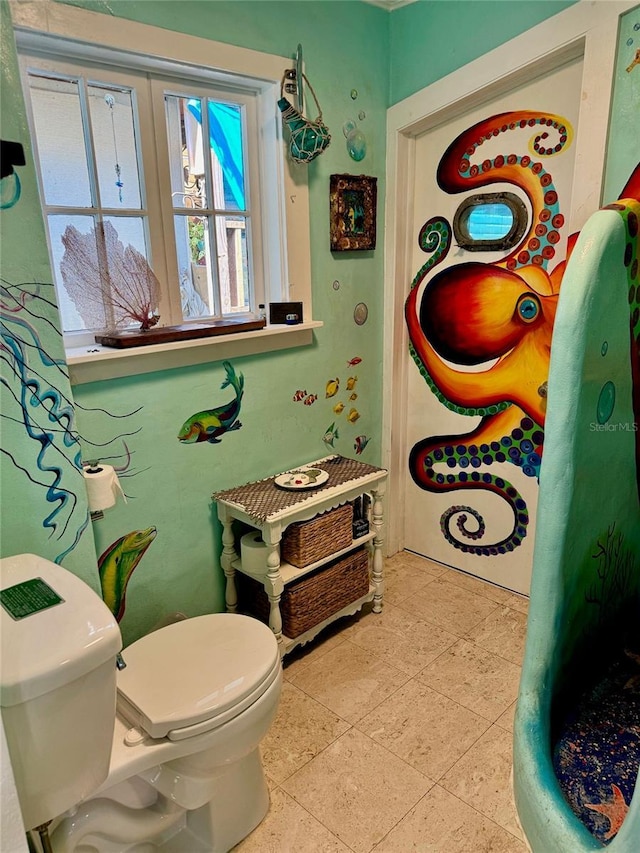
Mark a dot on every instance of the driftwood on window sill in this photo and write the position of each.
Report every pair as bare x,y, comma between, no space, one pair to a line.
124,338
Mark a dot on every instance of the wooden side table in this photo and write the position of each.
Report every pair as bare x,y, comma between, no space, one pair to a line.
270,510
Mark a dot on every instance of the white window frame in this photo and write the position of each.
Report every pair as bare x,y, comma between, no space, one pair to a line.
64,31
258,212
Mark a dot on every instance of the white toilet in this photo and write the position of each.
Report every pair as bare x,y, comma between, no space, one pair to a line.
167,761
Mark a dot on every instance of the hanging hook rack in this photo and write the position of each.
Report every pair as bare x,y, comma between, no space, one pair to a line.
293,81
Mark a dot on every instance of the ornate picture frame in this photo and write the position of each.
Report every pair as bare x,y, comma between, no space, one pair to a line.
352,211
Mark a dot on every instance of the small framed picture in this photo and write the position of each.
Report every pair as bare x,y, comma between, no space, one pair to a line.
352,205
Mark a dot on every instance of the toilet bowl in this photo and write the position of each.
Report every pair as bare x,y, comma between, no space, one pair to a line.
180,725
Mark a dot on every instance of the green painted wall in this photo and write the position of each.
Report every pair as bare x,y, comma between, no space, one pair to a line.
347,46
34,459
431,38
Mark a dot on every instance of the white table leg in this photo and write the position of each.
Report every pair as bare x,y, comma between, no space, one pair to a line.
377,571
273,581
227,557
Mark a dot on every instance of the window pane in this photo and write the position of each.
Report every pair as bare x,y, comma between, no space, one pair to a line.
233,264
187,153
115,146
186,158
227,165
88,268
130,231
489,221
193,247
78,311
61,148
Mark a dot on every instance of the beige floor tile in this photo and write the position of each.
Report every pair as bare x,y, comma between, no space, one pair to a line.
402,578
480,680
506,720
449,606
409,559
503,633
424,728
300,658
482,778
399,639
518,602
441,823
302,728
349,681
288,828
480,587
357,789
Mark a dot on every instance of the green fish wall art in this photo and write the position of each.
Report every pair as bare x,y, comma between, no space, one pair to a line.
211,424
117,564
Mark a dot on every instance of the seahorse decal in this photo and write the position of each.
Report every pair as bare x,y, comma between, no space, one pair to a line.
474,313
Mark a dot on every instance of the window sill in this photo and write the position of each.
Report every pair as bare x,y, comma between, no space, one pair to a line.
95,363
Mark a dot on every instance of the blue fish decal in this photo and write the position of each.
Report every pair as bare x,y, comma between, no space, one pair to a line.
360,443
213,423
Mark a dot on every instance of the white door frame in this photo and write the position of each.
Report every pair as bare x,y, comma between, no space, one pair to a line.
588,29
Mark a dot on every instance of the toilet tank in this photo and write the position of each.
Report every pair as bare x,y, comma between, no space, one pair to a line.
58,645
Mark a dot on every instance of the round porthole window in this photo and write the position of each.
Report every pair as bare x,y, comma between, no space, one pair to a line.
490,222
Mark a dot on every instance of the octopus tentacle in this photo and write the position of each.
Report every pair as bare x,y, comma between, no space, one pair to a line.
520,444
456,173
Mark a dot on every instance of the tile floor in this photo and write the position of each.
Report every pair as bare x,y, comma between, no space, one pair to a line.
394,730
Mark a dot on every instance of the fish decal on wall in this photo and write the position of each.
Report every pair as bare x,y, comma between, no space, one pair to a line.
211,424
332,387
351,415
330,435
360,443
117,564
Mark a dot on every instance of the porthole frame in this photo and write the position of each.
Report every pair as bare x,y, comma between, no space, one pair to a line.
461,217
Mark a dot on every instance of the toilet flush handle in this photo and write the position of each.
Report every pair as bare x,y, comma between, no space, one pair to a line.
120,661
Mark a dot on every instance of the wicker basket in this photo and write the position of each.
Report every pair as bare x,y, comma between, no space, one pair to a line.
307,541
313,598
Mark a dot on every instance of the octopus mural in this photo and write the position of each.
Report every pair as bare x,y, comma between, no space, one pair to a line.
500,314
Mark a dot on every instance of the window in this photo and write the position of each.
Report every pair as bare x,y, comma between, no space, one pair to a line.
201,237
490,222
199,187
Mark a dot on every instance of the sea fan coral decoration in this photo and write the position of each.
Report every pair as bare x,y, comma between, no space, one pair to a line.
110,284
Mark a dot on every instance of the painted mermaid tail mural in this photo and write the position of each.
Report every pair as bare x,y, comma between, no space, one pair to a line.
117,564
502,312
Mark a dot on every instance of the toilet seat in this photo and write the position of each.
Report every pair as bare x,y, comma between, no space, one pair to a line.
197,674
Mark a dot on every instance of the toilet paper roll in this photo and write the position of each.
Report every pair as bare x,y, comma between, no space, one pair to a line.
253,552
103,487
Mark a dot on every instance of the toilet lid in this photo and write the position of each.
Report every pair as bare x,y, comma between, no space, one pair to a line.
197,670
